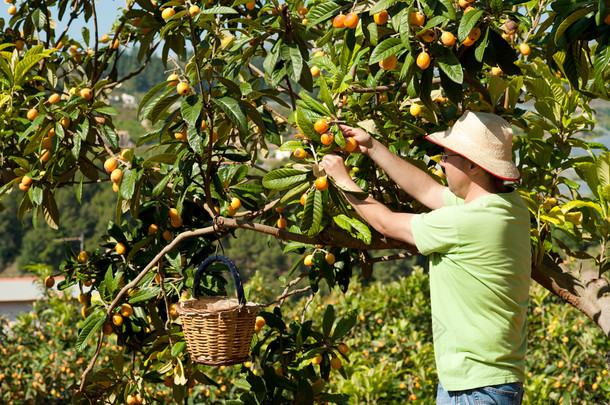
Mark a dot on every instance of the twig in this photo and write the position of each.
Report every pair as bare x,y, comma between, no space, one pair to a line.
283,297
309,301
280,88
169,318
291,284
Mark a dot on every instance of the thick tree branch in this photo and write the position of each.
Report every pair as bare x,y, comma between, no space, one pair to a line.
591,297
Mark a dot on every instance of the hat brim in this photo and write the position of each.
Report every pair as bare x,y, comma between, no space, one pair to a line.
507,173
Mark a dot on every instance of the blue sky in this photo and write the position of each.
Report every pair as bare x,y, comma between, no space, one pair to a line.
107,11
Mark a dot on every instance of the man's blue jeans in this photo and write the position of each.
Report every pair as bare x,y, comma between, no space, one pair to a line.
503,394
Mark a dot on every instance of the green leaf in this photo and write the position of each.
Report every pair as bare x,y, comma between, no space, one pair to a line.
90,327
482,46
294,61
588,172
83,129
283,178
603,169
328,320
295,192
144,294
104,108
451,66
191,108
311,104
345,325
381,5
49,209
452,89
219,10
31,59
128,184
39,19
325,95
468,22
356,228
497,86
571,19
321,12
305,125
312,213
385,49
110,136
160,186
234,111
178,348
271,61
161,106
151,93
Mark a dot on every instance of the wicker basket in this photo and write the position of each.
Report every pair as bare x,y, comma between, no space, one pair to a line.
218,330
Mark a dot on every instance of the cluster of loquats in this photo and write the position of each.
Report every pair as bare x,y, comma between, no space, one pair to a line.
116,174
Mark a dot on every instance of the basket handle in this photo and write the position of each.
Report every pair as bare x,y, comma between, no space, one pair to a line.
238,284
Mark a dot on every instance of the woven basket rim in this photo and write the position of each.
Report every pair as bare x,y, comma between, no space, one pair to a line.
183,310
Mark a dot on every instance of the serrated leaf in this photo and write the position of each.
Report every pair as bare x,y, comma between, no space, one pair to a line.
191,108
110,136
39,19
450,64
144,294
283,178
90,327
289,146
328,320
344,325
325,95
49,209
219,10
128,184
571,19
31,59
310,103
354,227
150,94
178,348
467,23
381,5
83,129
312,213
234,112
291,54
37,194
321,12
385,49
305,125
295,191
160,186
271,61
603,169
482,46
161,105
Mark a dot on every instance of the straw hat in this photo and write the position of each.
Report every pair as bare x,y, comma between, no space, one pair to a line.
484,139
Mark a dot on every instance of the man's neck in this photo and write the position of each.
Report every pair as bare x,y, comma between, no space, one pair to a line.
483,188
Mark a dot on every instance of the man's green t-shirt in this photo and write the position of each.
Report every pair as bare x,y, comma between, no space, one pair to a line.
480,266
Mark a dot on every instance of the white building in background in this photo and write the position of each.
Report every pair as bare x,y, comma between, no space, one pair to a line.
19,293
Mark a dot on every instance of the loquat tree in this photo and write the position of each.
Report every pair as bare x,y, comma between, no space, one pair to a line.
248,78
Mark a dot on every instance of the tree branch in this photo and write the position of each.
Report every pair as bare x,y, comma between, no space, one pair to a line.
591,297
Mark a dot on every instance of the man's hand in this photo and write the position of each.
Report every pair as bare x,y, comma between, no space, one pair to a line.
365,141
334,166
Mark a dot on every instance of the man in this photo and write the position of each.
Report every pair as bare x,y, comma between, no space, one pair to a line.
477,241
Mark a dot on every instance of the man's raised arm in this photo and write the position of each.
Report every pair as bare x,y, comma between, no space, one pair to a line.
414,181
